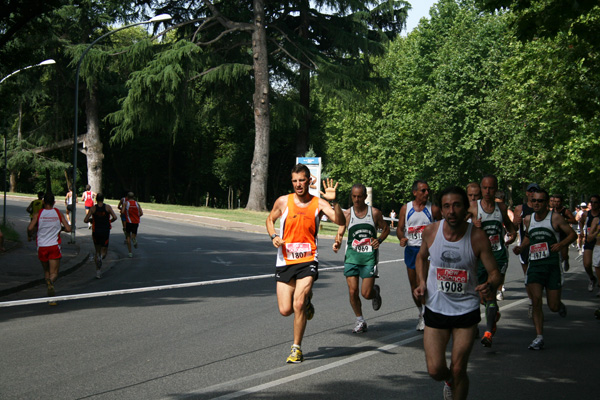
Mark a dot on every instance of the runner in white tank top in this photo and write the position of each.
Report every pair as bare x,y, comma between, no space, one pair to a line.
412,220
49,221
448,286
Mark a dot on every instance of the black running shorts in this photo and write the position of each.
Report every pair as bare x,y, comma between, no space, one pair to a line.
297,271
441,321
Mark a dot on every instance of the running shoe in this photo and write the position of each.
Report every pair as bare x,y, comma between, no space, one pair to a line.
98,274
310,309
134,240
530,312
421,323
597,314
486,340
295,356
50,286
566,265
447,391
592,283
499,295
562,310
377,298
360,327
537,344
495,327
130,255
99,263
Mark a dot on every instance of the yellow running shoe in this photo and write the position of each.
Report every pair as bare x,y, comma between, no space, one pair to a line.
295,356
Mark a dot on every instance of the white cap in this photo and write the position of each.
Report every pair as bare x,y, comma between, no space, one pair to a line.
584,204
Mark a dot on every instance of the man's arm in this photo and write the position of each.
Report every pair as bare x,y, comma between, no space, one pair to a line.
473,214
140,209
508,225
32,225
570,217
336,214
422,264
562,225
273,216
517,217
436,212
112,213
483,250
337,243
63,221
380,224
89,215
524,240
29,208
400,227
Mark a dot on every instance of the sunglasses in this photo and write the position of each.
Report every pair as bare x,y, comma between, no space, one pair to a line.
424,190
538,200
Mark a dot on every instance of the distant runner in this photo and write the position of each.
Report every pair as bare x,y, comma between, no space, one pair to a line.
544,271
49,222
102,215
413,218
362,252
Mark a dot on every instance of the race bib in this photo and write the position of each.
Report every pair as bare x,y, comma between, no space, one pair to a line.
295,251
451,280
495,242
539,251
415,232
362,245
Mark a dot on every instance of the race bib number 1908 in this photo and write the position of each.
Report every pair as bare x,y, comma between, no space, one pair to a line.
452,280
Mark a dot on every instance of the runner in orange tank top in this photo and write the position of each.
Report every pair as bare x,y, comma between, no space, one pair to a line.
297,263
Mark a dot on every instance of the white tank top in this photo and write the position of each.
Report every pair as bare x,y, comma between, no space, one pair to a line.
415,222
48,233
452,275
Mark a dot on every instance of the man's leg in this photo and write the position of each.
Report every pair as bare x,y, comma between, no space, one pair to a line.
525,266
367,288
535,289
587,265
434,343
303,288
355,302
553,297
462,344
412,279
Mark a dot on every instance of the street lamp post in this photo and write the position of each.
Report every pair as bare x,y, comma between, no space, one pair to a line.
158,18
45,62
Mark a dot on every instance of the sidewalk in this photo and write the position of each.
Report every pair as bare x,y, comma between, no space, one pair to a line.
20,268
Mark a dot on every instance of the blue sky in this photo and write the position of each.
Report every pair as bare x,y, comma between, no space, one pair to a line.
420,9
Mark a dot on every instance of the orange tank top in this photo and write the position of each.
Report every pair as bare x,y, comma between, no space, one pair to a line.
299,229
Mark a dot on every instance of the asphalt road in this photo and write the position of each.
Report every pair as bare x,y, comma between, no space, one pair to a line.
227,339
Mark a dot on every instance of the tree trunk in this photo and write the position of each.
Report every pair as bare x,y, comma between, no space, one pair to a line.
257,199
304,128
93,143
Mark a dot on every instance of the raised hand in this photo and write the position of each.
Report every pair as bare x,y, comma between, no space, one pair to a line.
330,190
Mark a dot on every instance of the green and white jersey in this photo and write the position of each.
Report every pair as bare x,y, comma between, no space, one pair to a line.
361,234
493,226
542,236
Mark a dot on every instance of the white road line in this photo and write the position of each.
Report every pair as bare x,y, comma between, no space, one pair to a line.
335,364
149,289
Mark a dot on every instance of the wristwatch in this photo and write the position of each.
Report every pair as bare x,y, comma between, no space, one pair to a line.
273,236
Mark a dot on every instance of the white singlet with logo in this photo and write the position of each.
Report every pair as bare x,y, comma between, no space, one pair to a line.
415,223
452,275
48,233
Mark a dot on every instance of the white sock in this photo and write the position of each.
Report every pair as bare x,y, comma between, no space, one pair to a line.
541,337
360,319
